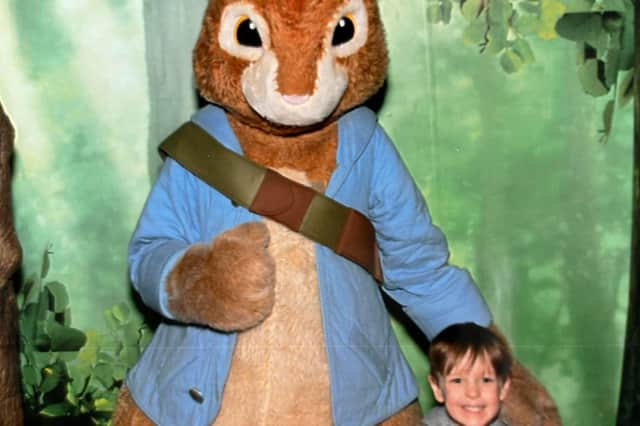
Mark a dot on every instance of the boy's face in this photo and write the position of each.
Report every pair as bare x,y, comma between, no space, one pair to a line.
471,394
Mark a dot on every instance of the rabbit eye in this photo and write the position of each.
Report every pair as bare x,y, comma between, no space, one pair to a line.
344,31
247,33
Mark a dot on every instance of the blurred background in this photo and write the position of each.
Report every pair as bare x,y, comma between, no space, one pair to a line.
507,150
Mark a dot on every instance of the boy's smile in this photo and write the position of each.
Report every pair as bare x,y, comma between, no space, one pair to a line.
471,393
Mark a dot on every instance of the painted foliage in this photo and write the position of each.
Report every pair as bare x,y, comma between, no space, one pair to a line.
510,165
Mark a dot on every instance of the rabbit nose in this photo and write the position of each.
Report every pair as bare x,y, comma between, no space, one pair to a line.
295,99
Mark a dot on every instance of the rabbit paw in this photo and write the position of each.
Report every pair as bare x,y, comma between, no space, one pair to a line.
228,284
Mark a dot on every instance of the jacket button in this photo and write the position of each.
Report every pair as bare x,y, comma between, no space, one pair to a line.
196,395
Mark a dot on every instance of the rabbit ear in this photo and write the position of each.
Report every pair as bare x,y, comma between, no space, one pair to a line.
293,62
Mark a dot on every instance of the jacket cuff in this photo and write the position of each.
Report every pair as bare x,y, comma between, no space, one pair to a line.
432,317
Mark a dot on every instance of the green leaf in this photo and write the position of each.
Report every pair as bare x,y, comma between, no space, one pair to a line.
499,12
42,341
43,306
55,410
70,395
475,32
68,356
583,27
525,23
129,355
471,9
30,375
45,262
589,76
579,6
66,317
106,358
611,62
530,7
58,296
119,372
103,404
121,312
111,343
65,338
110,320
28,318
496,39
130,334
51,378
145,338
79,375
522,48
88,355
104,373
42,359
510,61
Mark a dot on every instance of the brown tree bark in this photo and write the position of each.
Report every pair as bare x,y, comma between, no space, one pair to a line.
10,399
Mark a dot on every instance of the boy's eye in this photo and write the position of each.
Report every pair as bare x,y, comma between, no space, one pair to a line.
247,33
456,380
488,379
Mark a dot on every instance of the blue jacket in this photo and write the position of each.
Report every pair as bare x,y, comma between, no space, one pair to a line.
369,377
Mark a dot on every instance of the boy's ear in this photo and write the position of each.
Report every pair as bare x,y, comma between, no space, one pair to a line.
435,387
504,390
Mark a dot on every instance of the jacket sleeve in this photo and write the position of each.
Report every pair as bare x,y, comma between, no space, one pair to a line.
414,252
167,226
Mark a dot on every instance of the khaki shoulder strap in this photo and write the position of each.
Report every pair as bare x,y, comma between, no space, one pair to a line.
267,193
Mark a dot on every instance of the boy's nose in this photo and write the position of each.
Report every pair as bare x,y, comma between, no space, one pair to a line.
473,390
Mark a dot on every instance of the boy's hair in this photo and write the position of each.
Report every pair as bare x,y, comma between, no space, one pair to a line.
451,345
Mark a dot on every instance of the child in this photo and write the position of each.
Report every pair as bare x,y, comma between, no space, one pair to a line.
470,375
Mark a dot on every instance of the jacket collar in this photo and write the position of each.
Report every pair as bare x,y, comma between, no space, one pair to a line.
355,130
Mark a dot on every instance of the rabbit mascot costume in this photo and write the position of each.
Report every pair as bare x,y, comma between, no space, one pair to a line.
264,325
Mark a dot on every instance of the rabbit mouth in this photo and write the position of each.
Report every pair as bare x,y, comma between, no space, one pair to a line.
260,88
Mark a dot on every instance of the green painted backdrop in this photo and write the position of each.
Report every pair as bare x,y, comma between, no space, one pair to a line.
531,203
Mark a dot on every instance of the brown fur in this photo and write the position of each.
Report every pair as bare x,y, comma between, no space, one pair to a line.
127,413
10,252
313,153
528,403
218,73
206,287
279,373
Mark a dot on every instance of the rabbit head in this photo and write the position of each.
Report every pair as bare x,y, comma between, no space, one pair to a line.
290,64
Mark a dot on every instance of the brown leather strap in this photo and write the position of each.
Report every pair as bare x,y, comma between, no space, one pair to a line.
267,193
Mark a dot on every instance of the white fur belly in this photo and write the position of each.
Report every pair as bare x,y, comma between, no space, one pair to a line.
279,374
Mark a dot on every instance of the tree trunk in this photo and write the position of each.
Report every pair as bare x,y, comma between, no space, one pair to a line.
10,400
629,404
